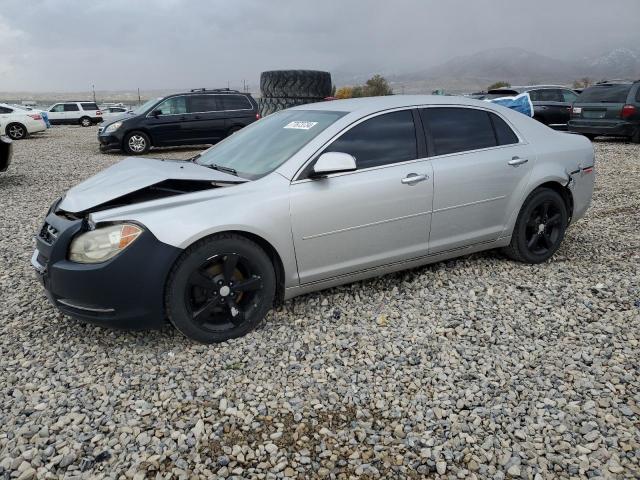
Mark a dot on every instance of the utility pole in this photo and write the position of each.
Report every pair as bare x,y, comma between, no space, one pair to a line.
139,101
93,89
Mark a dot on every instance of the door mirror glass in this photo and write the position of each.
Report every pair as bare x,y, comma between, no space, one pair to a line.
333,162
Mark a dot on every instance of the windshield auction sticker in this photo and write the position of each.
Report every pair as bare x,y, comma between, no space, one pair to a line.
301,125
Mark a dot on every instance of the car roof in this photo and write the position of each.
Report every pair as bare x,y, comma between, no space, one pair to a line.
367,105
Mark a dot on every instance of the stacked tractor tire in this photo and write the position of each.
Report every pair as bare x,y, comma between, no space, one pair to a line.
282,89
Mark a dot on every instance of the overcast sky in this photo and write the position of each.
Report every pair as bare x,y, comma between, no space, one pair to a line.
68,45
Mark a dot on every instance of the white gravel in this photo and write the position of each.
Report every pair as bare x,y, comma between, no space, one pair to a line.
472,368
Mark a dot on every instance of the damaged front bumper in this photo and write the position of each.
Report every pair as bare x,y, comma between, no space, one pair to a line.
126,291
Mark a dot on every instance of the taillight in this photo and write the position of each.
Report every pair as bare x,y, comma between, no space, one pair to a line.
628,111
576,111
36,116
257,116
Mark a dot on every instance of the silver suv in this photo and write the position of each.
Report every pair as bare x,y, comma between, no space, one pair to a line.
305,199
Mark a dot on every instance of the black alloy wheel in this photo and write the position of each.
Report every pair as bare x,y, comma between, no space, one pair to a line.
221,288
540,227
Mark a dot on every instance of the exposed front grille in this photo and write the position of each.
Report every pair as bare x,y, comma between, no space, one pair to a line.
48,233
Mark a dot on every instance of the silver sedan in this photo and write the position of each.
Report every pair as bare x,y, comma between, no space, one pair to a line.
305,199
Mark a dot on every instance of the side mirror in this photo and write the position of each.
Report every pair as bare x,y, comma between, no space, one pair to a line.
333,162
156,113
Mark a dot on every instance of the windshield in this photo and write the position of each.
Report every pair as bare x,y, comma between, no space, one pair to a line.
146,105
605,94
266,144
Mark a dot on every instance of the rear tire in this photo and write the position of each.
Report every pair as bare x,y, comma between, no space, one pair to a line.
16,131
267,106
85,122
220,288
136,143
540,227
590,136
295,84
636,136
233,130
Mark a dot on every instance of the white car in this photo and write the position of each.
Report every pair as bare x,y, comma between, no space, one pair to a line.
18,124
112,113
75,113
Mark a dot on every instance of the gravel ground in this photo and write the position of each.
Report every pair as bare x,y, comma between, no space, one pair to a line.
471,368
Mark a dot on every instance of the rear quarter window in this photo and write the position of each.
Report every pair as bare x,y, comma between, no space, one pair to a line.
235,102
504,134
605,94
89,106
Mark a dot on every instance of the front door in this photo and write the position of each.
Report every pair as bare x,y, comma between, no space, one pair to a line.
168,122
56,113
480,169
375,215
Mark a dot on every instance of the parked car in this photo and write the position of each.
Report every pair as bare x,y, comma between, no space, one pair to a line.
43,113
18,124
83,113
608,108
197,117
6,151
110,114
305,199
551,103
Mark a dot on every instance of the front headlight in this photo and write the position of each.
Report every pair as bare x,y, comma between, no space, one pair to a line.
112,128
103,243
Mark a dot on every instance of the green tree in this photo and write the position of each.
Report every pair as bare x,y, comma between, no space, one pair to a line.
500,84
377,86
358,91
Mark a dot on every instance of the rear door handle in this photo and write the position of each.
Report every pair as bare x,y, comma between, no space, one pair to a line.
517,161
413,178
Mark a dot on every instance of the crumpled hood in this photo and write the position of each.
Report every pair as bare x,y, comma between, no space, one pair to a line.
133,174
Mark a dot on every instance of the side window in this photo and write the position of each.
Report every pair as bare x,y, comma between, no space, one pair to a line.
549,95
534,95
382,140
173,106
89,106
638,94
57,108
569,96
5,110
235,102
203,103
458,129
71,107
504,134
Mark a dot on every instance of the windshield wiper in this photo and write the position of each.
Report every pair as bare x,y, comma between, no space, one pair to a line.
222,168
195,157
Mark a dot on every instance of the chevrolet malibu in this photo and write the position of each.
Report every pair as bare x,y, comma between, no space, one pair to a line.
309,198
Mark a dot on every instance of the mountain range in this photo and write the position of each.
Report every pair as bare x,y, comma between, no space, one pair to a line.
514,65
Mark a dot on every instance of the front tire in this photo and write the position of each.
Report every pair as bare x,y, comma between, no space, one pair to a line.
85,122
540,227
137,143
16,131
220,288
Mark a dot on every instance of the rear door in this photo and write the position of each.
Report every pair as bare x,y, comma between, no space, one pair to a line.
550,106
480,168
206,119
71,112
169,126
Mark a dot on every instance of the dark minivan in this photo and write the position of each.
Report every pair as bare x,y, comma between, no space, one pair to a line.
608,108
198,117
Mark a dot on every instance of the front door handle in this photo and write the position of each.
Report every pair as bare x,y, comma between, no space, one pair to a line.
517,161
414,178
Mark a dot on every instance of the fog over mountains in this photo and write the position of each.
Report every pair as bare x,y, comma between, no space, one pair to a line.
514,65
